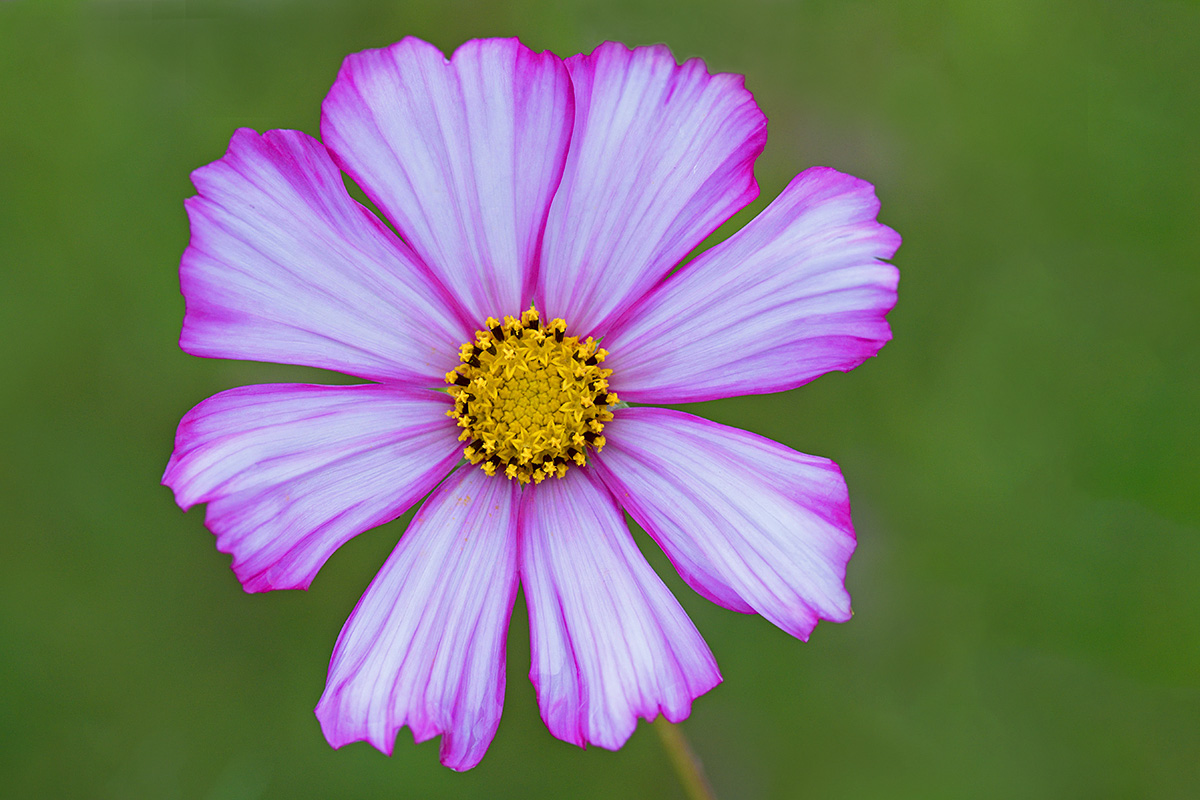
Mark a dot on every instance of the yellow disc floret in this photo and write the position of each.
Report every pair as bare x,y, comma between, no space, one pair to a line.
530,399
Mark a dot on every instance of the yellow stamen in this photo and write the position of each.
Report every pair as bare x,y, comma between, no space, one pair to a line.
530,399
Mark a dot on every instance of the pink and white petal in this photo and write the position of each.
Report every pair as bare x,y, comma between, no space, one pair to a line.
424,647
290,472
749,523
798,292
610,643
661,155
463,156
284,266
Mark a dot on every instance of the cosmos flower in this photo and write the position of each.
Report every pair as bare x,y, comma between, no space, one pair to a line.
542,205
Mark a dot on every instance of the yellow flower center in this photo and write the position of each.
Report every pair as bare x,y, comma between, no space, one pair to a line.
530,399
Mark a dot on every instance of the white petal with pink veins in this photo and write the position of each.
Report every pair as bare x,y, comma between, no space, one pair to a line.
749,523
610,642
661,155
291,472
798,292
284,266
462,155
425,645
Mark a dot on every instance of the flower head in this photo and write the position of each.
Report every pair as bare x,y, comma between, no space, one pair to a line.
541,206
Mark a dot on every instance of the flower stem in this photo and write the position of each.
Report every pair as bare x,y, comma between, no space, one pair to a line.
687,766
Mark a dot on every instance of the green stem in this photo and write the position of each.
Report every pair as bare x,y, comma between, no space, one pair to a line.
687,766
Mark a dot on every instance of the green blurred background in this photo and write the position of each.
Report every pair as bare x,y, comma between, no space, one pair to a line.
1022,459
